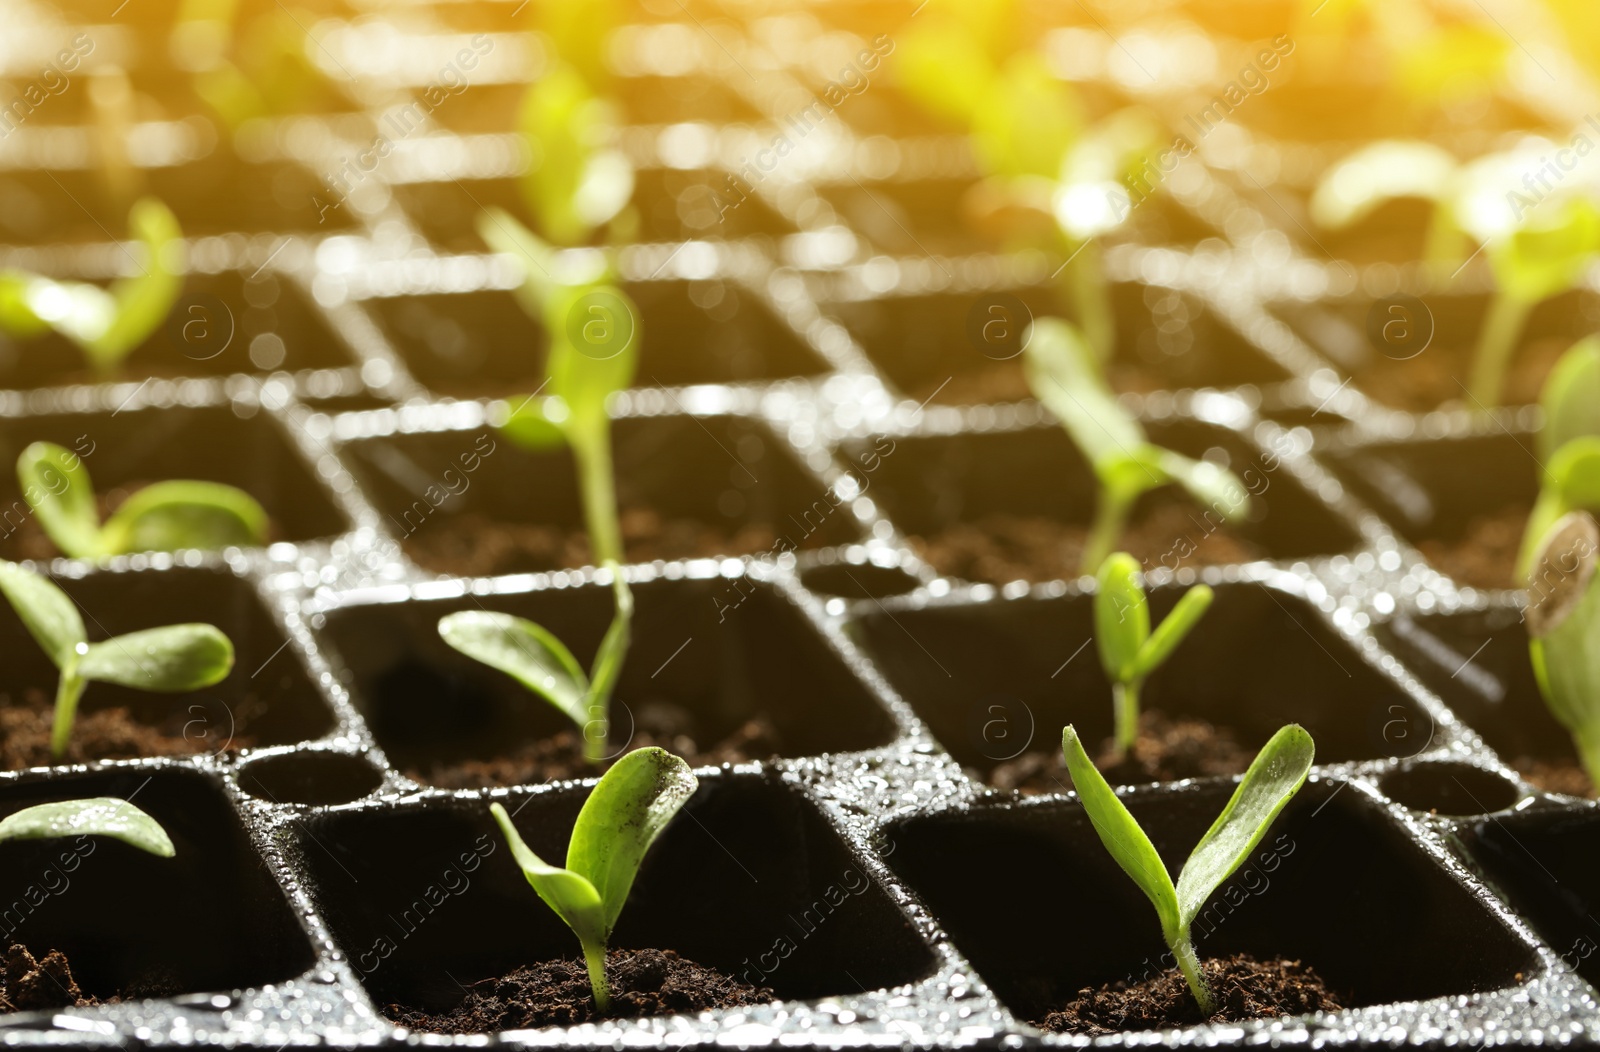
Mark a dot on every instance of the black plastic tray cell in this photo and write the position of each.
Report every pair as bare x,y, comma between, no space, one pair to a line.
1334,884
672,205
211,918
748,879
77,206
482,343
130,448
1420,378
268,698
995,679
310,776
1546,864
707,655
1461,500
726,476
1165,340
222,324
1478,664
929,483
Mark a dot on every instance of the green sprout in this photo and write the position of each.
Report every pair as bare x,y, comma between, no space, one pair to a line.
1563,618
162,517
1538,244
627,809
1129,651
579,181
534,657
107,325
170,659
1062,373
1571,397
91,816
1274,777
257,69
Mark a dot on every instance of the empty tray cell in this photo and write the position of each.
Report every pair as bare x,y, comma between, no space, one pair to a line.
997,681
693,332
723,668
1546,863
1016,505
671,205
1464,502
221,324
130,448
1446,787
471,503
933,346
267,699
1334,884
1439,373
310,776
1478,663
748,879
133,925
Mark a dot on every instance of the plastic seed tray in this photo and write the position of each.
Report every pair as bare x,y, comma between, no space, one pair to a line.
811,398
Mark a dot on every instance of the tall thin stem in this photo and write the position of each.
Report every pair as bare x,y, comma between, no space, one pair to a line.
1189,965
591,447
1125,707
1497,340
1110,515
595,957
1091,300
68,691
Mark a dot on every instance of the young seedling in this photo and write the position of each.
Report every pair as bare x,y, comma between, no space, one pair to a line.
1062,372
170,659
1129,651
91,816
1563,617
1571,397
246,68
162,517
579,181
1274,777
627,809
1569,442
534,657
107,325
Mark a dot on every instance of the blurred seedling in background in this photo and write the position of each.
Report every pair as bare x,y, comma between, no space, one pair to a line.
106,324
1051,178
1129,651
1063,374
1569,445
247,67
1274,777
627,809
534,657
170,659
1538,227
1563,618
90,816
161,517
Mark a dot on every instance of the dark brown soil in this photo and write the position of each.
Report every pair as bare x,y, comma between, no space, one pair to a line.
560,756
999,548
1168,749
1436,376
557,993
1485,555
1004,381
474,545
40,984
112,733
1245,989
1556,776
